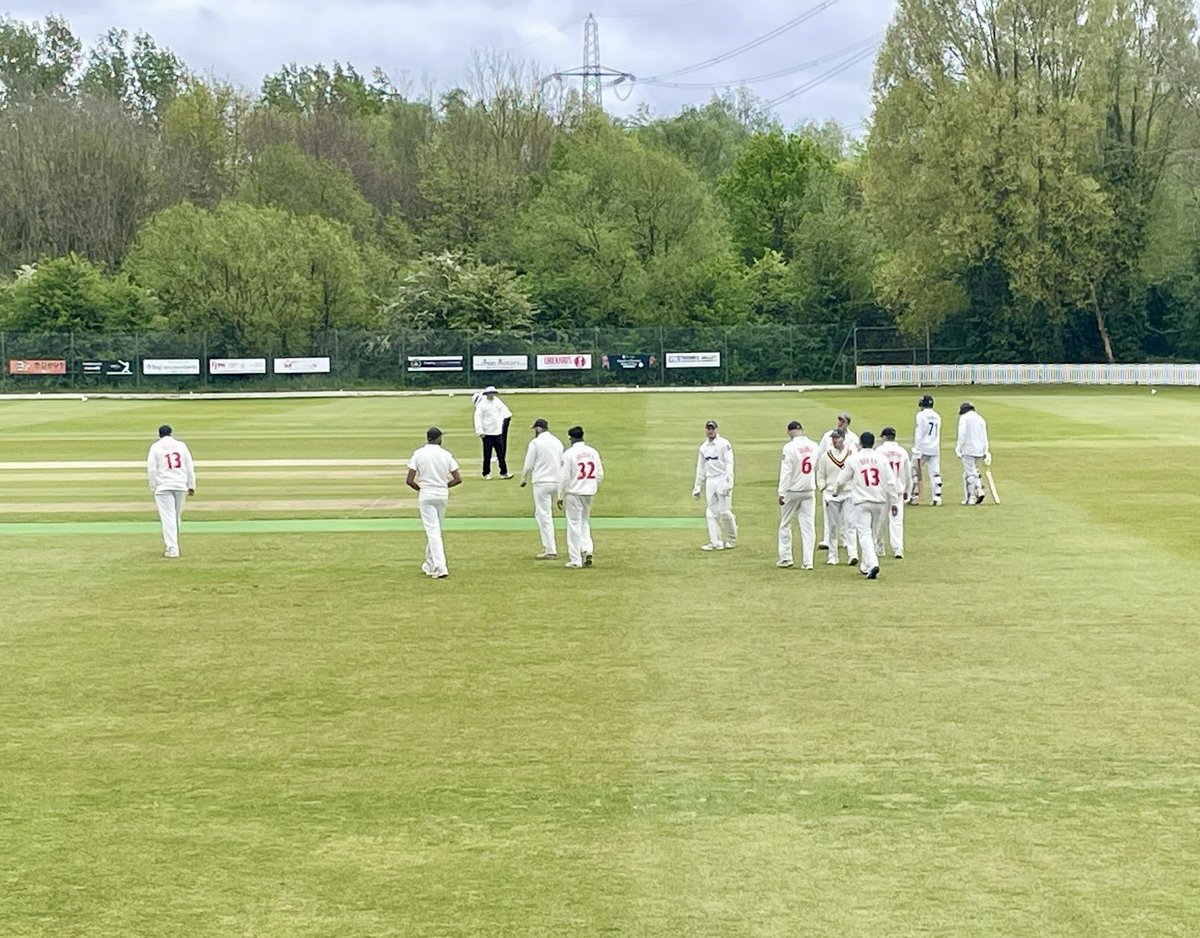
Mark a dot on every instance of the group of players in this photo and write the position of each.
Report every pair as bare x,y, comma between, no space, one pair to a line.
863,487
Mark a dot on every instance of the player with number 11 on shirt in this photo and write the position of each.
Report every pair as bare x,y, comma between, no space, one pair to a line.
577,484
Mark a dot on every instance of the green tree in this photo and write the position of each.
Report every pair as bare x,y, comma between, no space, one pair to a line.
617,231
250,276
64,294
38,58
775,182
136,72
455,291
283,177
201,145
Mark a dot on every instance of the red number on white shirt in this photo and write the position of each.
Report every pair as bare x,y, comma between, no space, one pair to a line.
895,468
806,465
870,476
587,470
174,461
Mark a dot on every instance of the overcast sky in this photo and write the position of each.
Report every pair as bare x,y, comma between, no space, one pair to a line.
430,43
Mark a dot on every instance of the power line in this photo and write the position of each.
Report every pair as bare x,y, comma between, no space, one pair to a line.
820,79
753,43
768,76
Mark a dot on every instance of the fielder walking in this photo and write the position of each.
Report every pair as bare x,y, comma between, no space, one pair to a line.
580,477
927,451
972,446
491,425
543,462
172,478
714,472
897,459
871,484
432,473
797,496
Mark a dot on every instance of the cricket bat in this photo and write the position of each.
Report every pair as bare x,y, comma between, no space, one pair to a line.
992,485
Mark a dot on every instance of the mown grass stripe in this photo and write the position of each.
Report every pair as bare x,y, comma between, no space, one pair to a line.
327,525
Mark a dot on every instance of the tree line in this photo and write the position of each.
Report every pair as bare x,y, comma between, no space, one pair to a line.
1027,189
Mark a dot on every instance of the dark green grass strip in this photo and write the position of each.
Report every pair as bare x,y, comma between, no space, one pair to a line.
328,525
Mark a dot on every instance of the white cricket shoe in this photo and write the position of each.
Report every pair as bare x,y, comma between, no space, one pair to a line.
785,563
712,546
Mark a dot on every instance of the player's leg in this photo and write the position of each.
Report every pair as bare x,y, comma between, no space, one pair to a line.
712,516
787,512
826,527
167,515
180,498
728,521
574,513
543,501
868,521
833,516
489,443
973,482
934,467
807,512
586,547
432,511
896,528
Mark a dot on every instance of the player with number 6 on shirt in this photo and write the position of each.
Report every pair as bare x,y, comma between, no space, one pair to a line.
578,481
797,496
172,479
872,486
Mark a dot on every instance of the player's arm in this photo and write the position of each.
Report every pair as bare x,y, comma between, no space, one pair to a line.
455,478
189,467
411,481
152,468
478,419
699,473
844,477
599,467
728,467
530,458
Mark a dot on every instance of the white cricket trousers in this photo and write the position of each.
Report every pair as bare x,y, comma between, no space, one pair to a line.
895,527
934,466
579,526
543,504
432,511
971,482
801,507
869,521
839,518
718,512
170,511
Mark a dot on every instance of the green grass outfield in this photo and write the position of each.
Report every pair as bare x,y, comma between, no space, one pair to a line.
292,732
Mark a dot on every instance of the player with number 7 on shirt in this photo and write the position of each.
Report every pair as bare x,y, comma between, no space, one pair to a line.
581,475
872,486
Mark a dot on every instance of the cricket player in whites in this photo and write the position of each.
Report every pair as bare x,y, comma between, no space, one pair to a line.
579,478
797,496
543,461
872,486
714,471
972,446
897,458
927,451
838,508
172,479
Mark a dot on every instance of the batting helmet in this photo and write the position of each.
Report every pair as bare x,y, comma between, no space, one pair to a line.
925,401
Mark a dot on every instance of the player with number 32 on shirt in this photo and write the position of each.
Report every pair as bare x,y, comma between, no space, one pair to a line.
577,485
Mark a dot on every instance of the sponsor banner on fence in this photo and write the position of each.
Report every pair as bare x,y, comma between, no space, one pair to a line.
170,366
499,362
693,359
237,366
435,362
618,362
37,366
302,366
118,368
581,361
